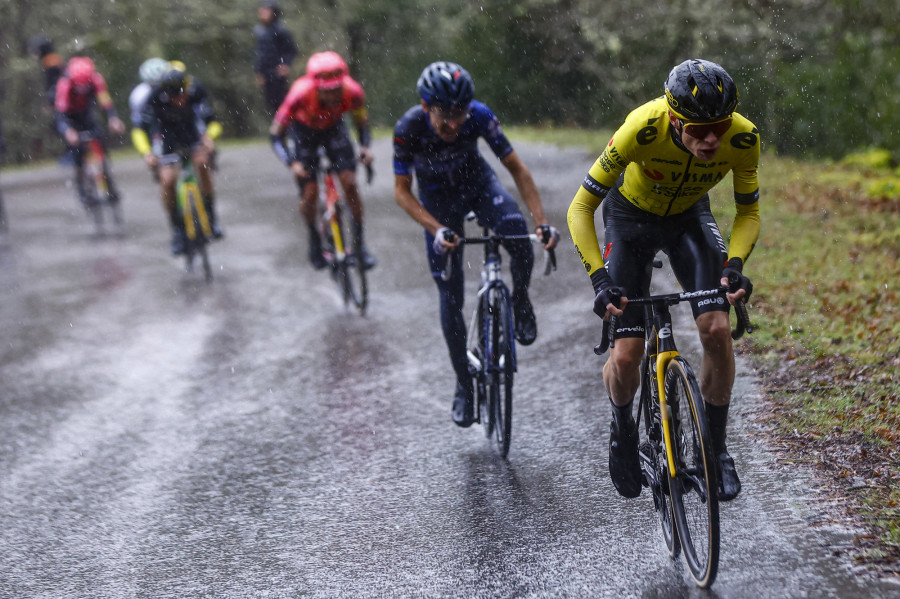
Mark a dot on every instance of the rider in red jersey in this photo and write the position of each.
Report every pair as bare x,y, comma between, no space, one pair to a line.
313,111
76,93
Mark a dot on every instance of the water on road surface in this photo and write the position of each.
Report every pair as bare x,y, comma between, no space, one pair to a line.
162,437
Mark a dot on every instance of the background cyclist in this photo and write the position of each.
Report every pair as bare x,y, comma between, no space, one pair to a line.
77,91
672,150
314,111
275,51
174,113
438,140
151,73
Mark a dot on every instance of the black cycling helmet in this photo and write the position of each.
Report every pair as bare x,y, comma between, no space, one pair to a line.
173,82
446,84
701,91
40,46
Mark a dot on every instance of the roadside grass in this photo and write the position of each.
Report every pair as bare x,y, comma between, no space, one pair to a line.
826,272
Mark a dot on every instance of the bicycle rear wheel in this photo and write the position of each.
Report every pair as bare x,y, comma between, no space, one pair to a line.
502,369
654,463
694,499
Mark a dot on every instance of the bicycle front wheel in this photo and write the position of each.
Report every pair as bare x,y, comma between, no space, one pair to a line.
502,369
358,285
653,460
694,499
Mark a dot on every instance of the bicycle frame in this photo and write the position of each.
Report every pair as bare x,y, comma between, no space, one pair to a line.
189,198
197,228
660,348
491,280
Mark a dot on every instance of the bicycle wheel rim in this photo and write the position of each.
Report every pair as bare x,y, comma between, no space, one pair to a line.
694,499
654,463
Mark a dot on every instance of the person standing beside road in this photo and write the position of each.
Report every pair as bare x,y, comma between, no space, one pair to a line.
275,51
672,151
314,111
438,141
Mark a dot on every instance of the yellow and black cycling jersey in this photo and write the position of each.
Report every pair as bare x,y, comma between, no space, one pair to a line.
663,178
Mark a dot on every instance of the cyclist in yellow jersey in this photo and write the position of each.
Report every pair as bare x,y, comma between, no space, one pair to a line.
652,181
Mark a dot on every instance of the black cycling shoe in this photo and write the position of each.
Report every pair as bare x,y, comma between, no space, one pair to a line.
526,323
624,463
729,483
463,407
216,230
179,242
316,258
368,260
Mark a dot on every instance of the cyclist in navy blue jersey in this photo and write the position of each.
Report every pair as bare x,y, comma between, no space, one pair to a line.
437,141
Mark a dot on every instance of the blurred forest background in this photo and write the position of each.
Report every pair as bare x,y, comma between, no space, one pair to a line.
818,77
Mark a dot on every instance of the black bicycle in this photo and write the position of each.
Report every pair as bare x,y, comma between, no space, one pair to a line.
491,345
675,450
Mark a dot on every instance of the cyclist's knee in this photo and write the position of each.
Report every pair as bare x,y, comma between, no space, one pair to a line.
626,356
715,330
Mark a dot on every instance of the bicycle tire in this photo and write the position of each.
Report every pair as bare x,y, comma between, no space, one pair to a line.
694,497
502,369
476,346
654,462
360,288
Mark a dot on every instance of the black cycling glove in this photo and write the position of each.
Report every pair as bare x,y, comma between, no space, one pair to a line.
607,291
736,279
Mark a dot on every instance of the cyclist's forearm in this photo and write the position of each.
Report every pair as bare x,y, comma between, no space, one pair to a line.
141,141
406,200
580,218
213,130
280,149
745,231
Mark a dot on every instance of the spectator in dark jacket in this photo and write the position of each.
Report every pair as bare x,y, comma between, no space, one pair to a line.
275,50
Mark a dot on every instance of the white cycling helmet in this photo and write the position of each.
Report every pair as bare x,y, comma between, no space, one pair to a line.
153,69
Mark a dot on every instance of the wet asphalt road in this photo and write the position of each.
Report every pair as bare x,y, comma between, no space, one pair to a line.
161,437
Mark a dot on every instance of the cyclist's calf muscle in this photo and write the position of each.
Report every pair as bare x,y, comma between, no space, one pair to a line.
621,373
717,367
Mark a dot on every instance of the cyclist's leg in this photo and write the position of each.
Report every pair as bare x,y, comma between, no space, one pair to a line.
497,209
168,177
698,259
630,248
451,294
112,189
306,146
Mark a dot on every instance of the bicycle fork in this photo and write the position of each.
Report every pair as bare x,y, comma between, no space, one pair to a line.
664,352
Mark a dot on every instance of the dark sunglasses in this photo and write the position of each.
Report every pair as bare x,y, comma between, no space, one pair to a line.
702,130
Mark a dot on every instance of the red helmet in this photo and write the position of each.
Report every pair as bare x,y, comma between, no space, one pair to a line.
327,69
80,70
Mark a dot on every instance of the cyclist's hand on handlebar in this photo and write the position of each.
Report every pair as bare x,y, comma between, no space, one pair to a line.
739,286
151,160
444,240
298,170
610,299
116,125
71,136
365,156
549,236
